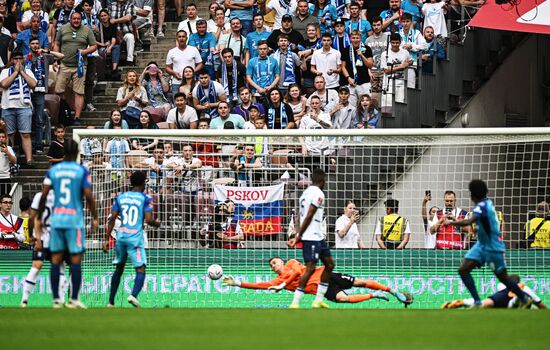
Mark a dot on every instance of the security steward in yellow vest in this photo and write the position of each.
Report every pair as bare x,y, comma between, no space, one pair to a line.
392,231
537,230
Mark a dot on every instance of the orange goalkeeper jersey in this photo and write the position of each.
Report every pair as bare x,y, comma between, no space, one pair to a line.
292,272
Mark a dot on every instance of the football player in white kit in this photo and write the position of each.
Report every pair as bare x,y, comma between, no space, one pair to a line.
41,250
312,235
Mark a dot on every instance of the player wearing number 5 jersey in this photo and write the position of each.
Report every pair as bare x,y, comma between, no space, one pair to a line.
311,233
134,208
71,182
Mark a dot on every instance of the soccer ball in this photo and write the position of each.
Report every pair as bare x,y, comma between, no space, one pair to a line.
215,271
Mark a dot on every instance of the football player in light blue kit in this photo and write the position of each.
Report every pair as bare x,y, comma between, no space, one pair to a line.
134,208
70,181
489,248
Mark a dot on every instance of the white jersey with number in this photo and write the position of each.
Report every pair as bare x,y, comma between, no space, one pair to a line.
46,215
313,195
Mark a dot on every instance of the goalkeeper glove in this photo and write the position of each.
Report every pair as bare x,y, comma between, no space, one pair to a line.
230,281
277,288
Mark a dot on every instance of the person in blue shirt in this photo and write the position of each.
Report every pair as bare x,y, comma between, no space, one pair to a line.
71,182
355,22
262,72
134,208
23,39
326,13
254,37
489,248
206,44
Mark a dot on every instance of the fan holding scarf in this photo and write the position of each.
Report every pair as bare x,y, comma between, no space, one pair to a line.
288,61
207,94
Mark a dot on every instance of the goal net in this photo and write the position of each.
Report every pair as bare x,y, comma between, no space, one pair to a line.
231,198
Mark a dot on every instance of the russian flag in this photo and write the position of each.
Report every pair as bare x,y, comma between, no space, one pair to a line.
258,209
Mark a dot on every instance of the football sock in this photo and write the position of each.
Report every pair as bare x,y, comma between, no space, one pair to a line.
359,298
468,281
468,302
115,282
321,290
298,294
138,283
513,286
30,283
76,280
54,281
62,282
377,286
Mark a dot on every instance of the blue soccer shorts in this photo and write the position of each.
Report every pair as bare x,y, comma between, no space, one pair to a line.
495,260
67,239
315,250
130,246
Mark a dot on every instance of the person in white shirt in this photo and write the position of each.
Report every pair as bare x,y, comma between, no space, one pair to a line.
180,57
281,8
413,41
327,61
347,233
182,116
434,16
190,24
328,98
394,62
234,40
312,235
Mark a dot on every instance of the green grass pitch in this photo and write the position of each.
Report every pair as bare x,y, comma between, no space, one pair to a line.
281,329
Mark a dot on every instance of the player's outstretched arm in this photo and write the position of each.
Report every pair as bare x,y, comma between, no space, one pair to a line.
229,280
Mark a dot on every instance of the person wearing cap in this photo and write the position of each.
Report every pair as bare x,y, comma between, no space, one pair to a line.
295,38
343,114
303,18
17,82
206,44
341,40
280,8
355,70
243,10
537,229
392,230
327,62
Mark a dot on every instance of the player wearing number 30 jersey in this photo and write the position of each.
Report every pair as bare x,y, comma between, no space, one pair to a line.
134,208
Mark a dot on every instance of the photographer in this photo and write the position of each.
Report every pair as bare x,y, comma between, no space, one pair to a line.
347,233
394,62
224,231
449,236
7,158
392,231
11,227
537,229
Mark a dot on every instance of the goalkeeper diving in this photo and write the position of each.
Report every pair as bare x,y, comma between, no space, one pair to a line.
289,274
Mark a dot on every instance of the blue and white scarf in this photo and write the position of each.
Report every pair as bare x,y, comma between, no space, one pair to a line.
39,69
290,77
340,7
225,81
355,61
80,69
285,4
359,26
271,116
336,42
259,70
117,153
211,98
19,89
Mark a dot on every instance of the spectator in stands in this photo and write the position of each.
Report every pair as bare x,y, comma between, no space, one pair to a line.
241,164
243,109
61,17
355,22
262,72
156,86
39,61
224,116
115,120
206,44
279,114
253,114
378,43
56,153
392,231
327,62
435,49
11,227
368,115
343,114
180,57
207,94
328,98
434,16
289,64
5,40
394,62
449,236
89,19
188,83
243,10
341,41
224,231
107,43
142,20
22,41
17,82
280,8
413,8
303,18
145,122
182,116
189,25
161,14
311,44
220,26
75,42
297,102
391,18
326,14
413,41
254,37
537,229
122,14
90,144
115,152
234,40
157,170
211,22
315,119
357,61
131,98
295,39
7,159
232,75
347,234
206,150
